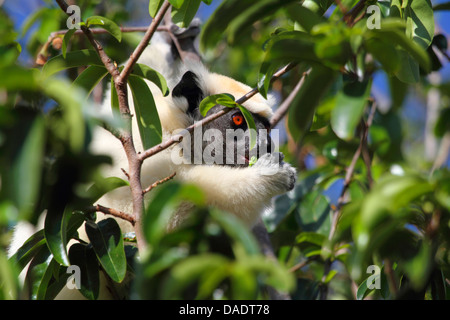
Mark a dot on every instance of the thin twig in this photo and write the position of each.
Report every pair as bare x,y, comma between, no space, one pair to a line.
125,173
347,180
351,168
350,17
303,264
111,211
342,8
144,42
284,107
43,53
102,31
155,184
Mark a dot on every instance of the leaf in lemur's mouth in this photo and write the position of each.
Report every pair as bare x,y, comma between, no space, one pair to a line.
252,161
227,100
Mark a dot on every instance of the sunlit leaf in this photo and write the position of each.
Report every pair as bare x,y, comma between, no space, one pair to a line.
103,186
146,114
37,274
106,24
154,6
350,104
107,241
55,231
90,77
73,59
182,16
66,40
152,75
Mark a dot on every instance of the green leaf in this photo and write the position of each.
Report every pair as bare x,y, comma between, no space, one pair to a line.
31,19
106,24
362,291
9,276
66,40
37,272
236,230
389,195
385,53
55,231
305,17
311,237
154,76
23,178
442,125
103,186
250,125
290,46
29,249
107,241
419,267
159,211
208,2
350,104
391,32
209,102
52,268
259,10
182,16
302,109
84,257
176,3
314,214
398,90
162,206
420,22
69,99
154,6
90,77
146,114
194,268
19,78
283,48
73,59
214,29
409,70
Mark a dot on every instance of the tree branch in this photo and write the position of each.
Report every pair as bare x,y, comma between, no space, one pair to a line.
110,211
284,107
350,17
144,42
120,83
348,177
149,188
56,35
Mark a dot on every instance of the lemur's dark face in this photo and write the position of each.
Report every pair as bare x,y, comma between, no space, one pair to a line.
226,140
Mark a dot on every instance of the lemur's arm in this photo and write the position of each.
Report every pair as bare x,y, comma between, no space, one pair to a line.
243,191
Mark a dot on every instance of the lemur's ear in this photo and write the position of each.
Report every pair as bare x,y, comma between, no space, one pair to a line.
189,88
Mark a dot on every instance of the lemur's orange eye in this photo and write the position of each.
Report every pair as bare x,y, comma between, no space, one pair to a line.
238,119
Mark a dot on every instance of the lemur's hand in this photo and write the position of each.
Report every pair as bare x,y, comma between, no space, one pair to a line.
281,174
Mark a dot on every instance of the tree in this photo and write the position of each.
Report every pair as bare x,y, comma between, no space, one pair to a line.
384,236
